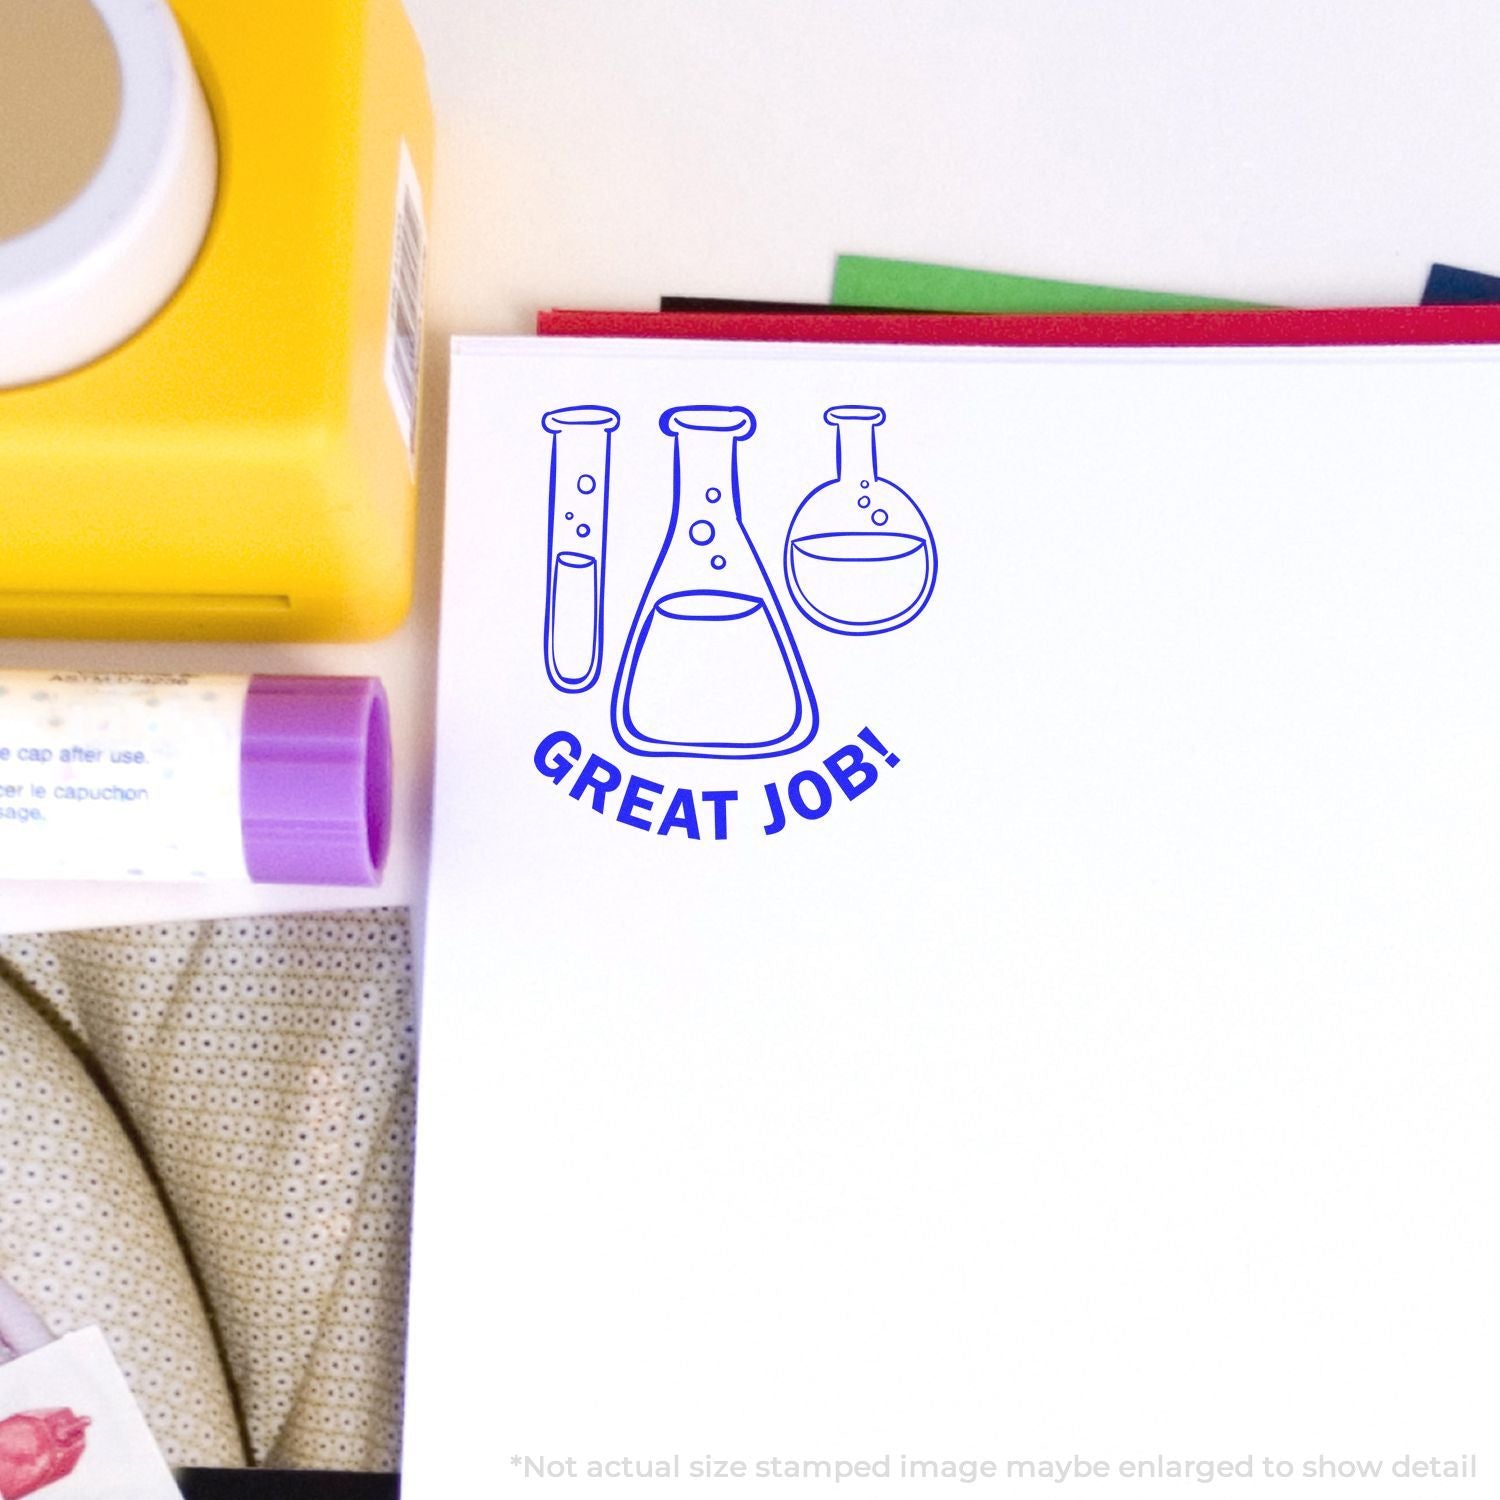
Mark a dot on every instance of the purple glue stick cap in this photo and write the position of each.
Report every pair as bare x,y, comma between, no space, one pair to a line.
315,780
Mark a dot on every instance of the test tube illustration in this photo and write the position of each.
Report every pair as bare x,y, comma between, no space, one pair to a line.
577,538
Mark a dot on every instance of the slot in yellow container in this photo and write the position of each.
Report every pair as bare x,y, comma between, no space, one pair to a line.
242,468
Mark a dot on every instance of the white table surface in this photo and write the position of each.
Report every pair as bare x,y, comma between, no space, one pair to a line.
599,153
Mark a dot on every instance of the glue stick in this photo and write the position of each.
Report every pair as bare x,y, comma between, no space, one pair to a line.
141,776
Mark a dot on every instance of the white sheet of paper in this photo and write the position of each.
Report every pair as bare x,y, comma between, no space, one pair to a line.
1112,1078
70,1427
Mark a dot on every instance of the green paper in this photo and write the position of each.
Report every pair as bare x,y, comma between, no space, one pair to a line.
908,285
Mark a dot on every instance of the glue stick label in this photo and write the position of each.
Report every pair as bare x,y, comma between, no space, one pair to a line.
120,776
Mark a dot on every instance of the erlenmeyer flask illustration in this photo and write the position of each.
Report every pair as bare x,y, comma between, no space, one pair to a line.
577,532
710,668
860,556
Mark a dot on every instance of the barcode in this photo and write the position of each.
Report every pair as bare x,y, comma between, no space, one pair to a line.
403,351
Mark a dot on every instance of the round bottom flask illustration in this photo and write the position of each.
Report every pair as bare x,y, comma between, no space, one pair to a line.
710,668
860,556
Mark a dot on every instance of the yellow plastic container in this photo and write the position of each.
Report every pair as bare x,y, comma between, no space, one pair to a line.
243,468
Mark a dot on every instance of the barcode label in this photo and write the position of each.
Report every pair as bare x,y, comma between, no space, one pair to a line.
403,339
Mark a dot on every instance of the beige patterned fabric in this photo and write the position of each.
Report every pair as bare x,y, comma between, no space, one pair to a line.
264,1069
85,1239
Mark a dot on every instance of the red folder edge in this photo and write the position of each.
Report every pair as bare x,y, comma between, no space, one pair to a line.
1277,328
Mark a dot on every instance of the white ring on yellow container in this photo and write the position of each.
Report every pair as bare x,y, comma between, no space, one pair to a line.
81,283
